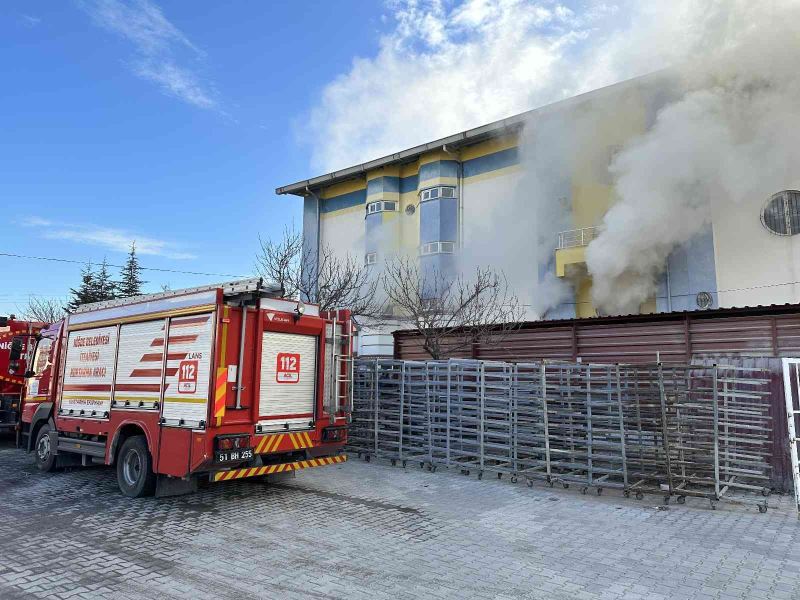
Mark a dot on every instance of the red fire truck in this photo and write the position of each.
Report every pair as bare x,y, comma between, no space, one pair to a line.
221,382
11,376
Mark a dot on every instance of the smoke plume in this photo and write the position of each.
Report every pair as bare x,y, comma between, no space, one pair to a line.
728,141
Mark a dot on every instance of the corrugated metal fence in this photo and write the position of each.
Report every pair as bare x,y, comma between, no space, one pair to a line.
674,337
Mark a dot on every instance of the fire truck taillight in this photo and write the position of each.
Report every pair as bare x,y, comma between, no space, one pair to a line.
333,434
232,442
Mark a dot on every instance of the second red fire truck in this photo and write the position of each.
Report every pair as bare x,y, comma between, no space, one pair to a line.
12,376
219,382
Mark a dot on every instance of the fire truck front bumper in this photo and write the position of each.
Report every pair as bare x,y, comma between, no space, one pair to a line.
277,468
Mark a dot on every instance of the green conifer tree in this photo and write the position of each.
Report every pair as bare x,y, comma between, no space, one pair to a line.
131,282
86,291
104,286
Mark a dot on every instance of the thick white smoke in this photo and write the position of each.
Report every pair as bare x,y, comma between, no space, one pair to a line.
729,141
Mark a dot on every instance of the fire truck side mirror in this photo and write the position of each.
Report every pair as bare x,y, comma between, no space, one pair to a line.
3,321
16,349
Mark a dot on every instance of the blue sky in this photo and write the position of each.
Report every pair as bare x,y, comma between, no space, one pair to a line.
96,150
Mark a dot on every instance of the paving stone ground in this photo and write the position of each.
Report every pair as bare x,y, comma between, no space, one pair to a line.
373,531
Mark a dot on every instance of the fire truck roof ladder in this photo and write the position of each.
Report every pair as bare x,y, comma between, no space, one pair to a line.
230,289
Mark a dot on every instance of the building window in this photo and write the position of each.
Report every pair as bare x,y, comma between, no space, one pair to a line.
438,248
381,206
781,213
370,258
437,192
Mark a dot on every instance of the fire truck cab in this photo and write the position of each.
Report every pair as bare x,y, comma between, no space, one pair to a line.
220,382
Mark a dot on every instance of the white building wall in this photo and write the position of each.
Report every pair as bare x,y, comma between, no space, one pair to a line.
343,232
754,266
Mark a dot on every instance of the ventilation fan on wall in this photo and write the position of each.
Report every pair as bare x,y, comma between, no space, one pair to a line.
704,300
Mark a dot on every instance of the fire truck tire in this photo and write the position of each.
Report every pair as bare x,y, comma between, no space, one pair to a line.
135,475
43,451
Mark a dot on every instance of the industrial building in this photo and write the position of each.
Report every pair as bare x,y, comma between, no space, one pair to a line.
440,201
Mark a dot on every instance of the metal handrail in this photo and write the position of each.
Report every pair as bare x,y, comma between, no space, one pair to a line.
575,238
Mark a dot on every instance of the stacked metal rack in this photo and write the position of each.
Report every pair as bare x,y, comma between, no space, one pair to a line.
676,430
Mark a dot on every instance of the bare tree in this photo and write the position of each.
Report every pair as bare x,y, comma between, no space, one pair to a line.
279,262
44,309
334,282
451,313
328,280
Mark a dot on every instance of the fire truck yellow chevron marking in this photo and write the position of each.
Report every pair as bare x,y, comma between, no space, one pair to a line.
271,443
281,468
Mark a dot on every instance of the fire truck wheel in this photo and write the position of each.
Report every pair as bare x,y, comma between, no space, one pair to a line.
45,459
135,475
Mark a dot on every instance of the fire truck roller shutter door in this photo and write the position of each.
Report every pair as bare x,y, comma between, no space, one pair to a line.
188,372
288,381
89,372
139,365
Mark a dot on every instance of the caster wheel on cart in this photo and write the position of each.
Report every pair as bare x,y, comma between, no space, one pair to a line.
551,483
626,493
529,483
499,475
565,485
422,465
765,492
599,491
762,508
681,499
480,475
433,468
713,505
639,495
666,499
584,490
404,464
513,479
367,458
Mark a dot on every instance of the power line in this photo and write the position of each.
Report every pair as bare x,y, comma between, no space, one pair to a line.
80,262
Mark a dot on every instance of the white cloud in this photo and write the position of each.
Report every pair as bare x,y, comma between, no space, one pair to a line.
159,47
116,240
29,20
447,66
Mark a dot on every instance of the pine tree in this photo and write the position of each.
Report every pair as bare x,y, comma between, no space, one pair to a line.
131,282
86,291
104,286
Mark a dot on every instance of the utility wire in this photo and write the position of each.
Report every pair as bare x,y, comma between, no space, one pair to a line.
81,262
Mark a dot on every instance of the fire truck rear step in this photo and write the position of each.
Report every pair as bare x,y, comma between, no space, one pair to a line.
279,468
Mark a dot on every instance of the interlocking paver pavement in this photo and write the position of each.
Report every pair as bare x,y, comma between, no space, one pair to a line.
371,531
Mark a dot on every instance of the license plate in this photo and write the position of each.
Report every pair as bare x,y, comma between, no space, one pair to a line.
233,455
